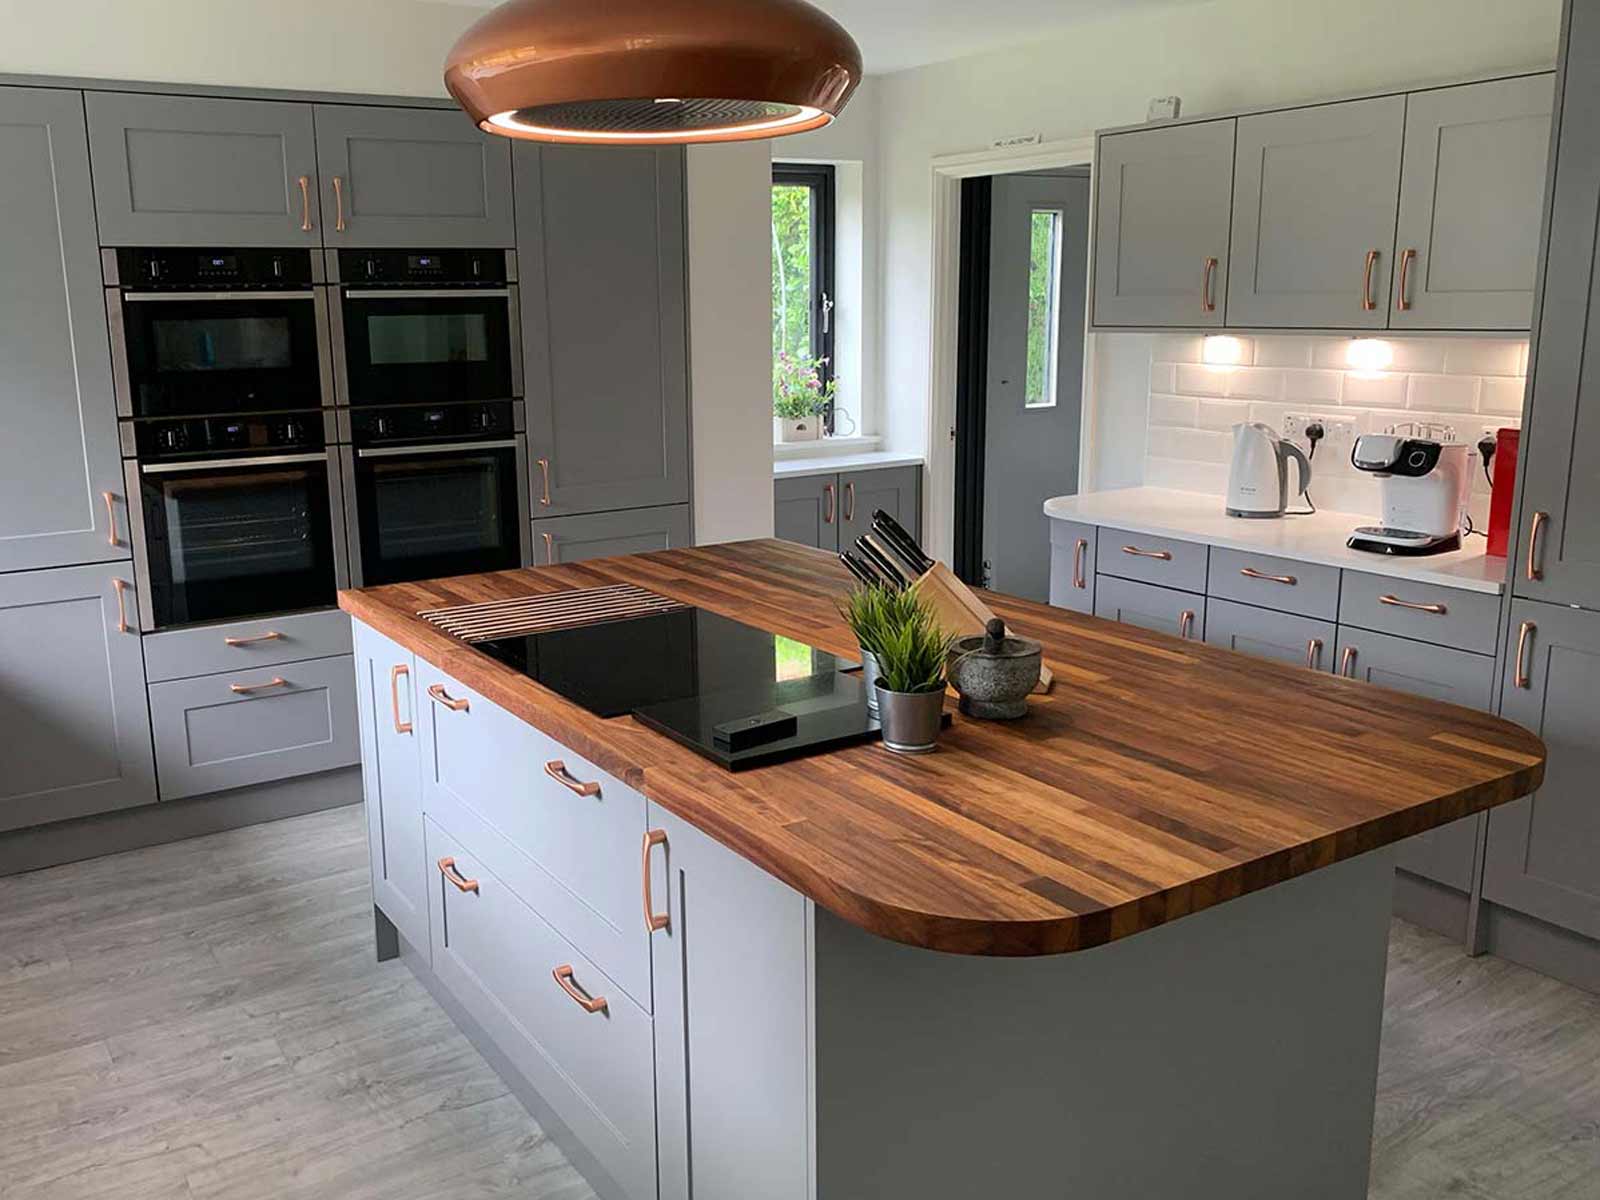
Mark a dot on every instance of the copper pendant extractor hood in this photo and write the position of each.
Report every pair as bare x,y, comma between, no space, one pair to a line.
652,72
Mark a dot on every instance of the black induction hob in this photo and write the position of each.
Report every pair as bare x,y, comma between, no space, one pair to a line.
687,671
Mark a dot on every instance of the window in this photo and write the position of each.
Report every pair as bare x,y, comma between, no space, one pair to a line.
802,266
1044,295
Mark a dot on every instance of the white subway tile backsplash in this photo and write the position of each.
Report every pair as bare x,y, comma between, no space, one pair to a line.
1422,354
1222,414
1194,445
1502,397
1163,377
1178,347
1255,383
1199,380
1284,351
1475,356
1173,410
1186,476
1446,393
1371,390
1312,387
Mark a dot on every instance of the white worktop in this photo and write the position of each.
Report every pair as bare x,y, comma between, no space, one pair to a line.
1318,538
829,464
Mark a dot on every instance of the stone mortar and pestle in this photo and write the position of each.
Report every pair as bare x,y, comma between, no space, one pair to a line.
994,673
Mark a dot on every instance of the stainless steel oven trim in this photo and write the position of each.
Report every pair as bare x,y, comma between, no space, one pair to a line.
514,319
136,537
341,366
219,297
330,426
215,464
511,266
108,267
437,448
324,346
121,377
352,527
337,518
524,516
460,293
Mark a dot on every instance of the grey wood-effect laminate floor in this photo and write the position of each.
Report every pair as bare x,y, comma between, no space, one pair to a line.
206,1020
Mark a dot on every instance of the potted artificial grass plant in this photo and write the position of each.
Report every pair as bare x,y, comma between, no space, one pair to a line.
903,646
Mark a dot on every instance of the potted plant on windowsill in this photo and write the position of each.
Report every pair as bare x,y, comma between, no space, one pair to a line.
902,643
799,398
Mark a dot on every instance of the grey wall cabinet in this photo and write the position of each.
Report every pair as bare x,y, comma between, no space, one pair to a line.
806,510
600,535
418,177
77,729
831,511
1467,244
1314,202
1163,201
1542,852
1284,637
601,250
61,490
200,171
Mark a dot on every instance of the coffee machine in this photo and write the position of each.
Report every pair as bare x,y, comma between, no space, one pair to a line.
1424,477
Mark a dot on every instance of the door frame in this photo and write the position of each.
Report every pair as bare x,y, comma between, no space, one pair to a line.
948,170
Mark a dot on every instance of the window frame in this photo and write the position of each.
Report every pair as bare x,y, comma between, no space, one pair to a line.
824,309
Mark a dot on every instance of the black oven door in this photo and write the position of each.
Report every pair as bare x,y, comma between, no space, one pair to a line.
185,354
404,346
229,538
425,512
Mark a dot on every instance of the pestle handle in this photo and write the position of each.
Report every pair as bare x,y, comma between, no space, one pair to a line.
994,633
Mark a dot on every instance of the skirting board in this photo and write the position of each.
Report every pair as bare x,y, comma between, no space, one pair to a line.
1542,947
174,820
1431,905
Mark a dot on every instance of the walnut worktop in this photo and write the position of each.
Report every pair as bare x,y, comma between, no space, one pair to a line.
1160,777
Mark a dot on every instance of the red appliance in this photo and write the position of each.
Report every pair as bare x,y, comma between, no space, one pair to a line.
1505,482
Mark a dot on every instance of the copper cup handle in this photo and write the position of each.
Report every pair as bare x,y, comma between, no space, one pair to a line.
557,770
305,203
120,586
849,502
1252,573
338,201
1521,678
1208,302
1186,624
447,868
1347,663
1368,304
272,635
652,919
1437,610
1535,570
544,468
1079,554
395,672
549,548
828,513
111,518
589,1004
1163,555
1407,257
1313,654
249,689
443,697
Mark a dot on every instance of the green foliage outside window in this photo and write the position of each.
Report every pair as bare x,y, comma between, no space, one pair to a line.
1044,260
791,271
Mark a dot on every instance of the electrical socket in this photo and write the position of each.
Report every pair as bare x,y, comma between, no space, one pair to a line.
1338,435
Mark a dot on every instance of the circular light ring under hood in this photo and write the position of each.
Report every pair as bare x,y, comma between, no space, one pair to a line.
653,72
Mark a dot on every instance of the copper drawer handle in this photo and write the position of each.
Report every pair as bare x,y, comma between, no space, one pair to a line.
438,693
111,518
305,203
120,586
395,672
1535,569
849,502
557,770
447,868
1367,302
549,548
828,513
1186,624
652,919
1437,610
589,1004
1407,257
1252,573
246,689
272,635
1347,662
338,199
544,468
1208,302
1313,654
1080,554
1522,679
1163,555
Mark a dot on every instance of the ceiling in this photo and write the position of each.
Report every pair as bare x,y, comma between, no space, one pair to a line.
896,34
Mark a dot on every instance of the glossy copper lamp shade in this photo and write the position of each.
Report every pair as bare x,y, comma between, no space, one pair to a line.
652,72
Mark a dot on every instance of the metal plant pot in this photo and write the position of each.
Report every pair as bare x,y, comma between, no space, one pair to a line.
869,678
911,720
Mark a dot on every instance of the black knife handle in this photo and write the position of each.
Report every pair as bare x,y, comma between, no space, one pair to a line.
902,542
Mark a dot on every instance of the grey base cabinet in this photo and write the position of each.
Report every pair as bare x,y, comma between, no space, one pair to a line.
1148,606
831,511
1283,637
806,510
77,729
1072,565
600,535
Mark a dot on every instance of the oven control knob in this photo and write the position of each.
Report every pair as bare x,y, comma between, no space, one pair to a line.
171,438
380,426
290,432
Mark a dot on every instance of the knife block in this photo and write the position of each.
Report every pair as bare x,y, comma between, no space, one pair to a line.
961,612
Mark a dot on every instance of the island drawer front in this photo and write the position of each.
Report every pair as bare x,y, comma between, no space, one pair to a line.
573,858
1282,583
1284,637
240,645
1150,559
241,727
1072,565
497,957
1468,620
1164,610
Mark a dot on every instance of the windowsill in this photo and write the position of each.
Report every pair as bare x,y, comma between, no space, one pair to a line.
828,447
843,460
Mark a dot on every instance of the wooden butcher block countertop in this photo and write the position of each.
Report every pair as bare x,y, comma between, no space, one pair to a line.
1158,778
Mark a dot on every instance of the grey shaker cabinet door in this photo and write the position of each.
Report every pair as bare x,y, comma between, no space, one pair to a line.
601,535
196,171
1163,200
1284,637
1315,194
895,490
806,510
412,177
733,985
391,779
1181,614
1471,199
1072,565
1454,676
1544,850
77,729
61,490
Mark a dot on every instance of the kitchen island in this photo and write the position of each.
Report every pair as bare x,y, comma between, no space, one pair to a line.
1130,946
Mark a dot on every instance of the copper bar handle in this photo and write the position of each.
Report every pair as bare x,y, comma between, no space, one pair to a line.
652,919
120,586
549,548
1252,573
1367,302
544,469
1535,570
557,770
111,518
1395,602
1208,302
1163,555
1407,257
447,868
305,203
246,689
1313,653
272,635
1186,624
338,201
1522,679
443,697
849,502
827,513
395,672
1347,662
1080,553
589,1004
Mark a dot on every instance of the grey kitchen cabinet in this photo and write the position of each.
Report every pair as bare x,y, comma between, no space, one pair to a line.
806,510
202,171
411,177
1163,203
1284,637
1165,610
830,511
61,492
599,535
77,728
1314,201
601,250
1072,565
732,987
1445,854
1471,191
391,780
1543,850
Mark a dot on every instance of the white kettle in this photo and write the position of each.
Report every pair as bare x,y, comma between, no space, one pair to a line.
1258,480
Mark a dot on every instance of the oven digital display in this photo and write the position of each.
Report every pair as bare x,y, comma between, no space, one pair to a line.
213,264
